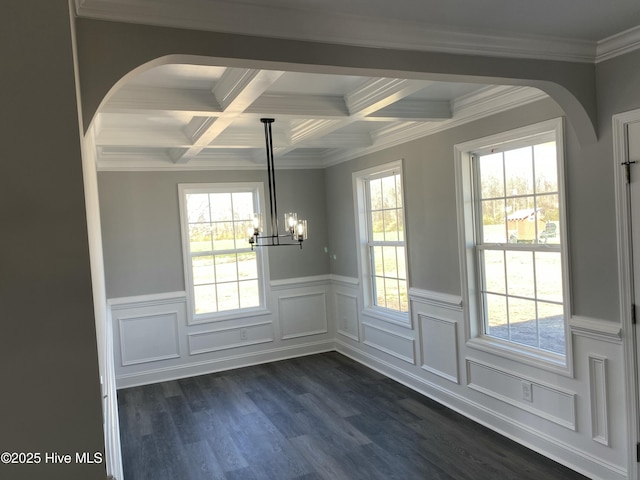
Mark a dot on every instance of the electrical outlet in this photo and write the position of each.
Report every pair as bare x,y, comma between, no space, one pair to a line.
243,334
527,391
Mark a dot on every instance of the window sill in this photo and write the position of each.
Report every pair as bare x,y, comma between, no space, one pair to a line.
230,315
522,354
389,316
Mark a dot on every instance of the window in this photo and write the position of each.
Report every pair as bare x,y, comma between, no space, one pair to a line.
510,187
382,237
223,275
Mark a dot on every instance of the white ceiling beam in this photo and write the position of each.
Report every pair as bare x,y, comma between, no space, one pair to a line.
378,93
305,129
338,140
233,138
368,98
160,100
197,127
415,110
300,106
236,90
142,137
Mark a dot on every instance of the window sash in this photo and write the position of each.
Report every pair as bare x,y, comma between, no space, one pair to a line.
214,295
401,282
481,246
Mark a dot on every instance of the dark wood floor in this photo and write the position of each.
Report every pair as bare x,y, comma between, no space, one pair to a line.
318,417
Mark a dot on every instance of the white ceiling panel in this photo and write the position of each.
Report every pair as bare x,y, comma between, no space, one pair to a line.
190,116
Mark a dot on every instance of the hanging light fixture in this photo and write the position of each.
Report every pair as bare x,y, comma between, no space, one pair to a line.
296,230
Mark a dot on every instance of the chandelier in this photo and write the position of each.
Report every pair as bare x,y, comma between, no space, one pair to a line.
296,230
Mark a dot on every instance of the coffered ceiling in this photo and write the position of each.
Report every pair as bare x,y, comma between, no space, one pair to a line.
196,116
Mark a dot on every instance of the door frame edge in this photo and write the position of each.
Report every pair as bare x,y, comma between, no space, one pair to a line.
625,283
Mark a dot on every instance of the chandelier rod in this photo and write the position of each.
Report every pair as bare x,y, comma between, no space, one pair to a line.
273,203
295,228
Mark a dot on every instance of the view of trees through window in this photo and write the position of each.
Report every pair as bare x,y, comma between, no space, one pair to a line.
224,269
518,246
385,217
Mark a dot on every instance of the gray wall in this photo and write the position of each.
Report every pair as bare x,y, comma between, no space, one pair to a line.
138,230
141,226
50,398
572,85
430,198
110,50
431,209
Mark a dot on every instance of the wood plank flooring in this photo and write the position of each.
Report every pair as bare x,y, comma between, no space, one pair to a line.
317,417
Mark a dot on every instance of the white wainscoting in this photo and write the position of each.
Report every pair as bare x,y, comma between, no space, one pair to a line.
547,401
153,341
346,315
392,343
438,316
569,418
439,342
149,338
303,314
147,328
598,397
230,337
575,420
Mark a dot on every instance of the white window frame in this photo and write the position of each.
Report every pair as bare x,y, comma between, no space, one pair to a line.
261,255
359,179
469,259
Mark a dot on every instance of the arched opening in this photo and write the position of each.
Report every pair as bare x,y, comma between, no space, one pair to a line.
580,117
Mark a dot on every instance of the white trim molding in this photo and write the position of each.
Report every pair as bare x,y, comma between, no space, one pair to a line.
340,28
596,329
549,445
439,346
625,281
150,300
468,244
345,281
437,299
165,346
381,333
300,282
598,399
555,395
233,337
618,44
223,363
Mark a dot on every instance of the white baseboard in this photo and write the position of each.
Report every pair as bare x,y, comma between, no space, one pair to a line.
220,364
574,458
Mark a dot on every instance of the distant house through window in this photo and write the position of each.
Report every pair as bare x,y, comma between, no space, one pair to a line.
511,192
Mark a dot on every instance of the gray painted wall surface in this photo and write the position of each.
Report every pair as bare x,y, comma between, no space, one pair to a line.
44,267
141,226
110,50
50,398
430,198
573,85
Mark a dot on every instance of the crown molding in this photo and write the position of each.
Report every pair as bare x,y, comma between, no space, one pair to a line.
275,22
161,160
486,102
619,44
